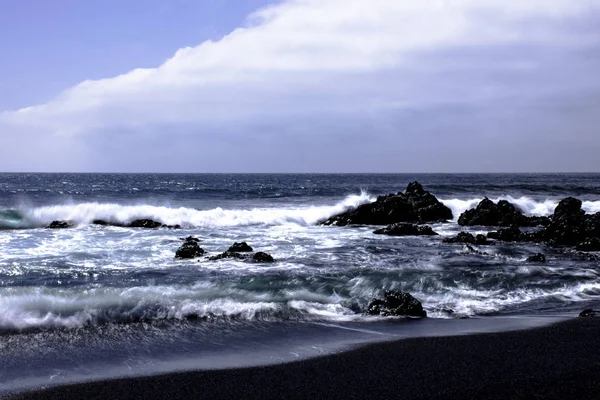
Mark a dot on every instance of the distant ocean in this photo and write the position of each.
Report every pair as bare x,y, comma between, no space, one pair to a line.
94,301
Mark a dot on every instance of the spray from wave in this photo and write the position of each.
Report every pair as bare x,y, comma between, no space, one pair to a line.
85,213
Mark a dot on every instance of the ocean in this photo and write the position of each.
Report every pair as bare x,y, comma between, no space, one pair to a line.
94,301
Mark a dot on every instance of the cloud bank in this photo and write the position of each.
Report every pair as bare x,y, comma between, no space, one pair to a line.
342,85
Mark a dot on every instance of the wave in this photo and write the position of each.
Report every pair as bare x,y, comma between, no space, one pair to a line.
85,213
40,308
527,205
23,309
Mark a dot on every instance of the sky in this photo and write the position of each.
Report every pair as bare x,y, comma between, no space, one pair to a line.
300,86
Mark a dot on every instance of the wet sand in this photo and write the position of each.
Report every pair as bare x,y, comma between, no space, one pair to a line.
561,361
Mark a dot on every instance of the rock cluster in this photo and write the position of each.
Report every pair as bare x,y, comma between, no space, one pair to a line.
569,226
468,238
414,205
189,249
503,213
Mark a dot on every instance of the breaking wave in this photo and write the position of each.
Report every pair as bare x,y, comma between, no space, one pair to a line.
85,213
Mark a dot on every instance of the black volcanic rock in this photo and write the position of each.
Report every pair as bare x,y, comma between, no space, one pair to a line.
100,222
396,304
241,247
189,249
145,223
404,229
488,213
466,237
589,313
571,226
59,225
415,205
538,258
263,257
190,239
229,254
510,234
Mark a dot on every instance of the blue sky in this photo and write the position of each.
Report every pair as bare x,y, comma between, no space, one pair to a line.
300,86
52,45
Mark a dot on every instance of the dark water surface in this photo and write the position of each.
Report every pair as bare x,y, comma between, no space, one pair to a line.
100,288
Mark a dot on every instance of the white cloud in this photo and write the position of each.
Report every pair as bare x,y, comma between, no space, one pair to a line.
310,60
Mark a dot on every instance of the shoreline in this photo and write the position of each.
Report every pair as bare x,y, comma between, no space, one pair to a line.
554,361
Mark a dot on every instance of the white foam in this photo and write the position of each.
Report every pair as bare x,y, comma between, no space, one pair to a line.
85,213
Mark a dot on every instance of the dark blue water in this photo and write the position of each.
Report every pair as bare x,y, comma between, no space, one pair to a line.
107,286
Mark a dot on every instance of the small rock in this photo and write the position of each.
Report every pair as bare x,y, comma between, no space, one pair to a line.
228,254
539,258
190,239
262,257
58,225
397,304
189,249
241,247
589,313
403,229
466,237
145,223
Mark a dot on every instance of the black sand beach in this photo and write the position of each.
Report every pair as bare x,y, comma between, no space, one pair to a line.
560,361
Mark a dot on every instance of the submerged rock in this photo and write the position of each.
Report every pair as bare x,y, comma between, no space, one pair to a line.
262,257
148,224
229,254
414,205
503,213
59,225
404,229
589,313
241,247
189,249
539,258
190,239
466,237
396,304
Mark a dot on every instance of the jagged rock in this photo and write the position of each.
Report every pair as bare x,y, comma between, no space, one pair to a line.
511,234
571,226
262,257
145,223
539,258
59,225
503,213
589,313
229,254
415,205
466,237
396,304
189,249
241,247
404,229
100,222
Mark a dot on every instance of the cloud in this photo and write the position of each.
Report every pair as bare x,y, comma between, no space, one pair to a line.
308,74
